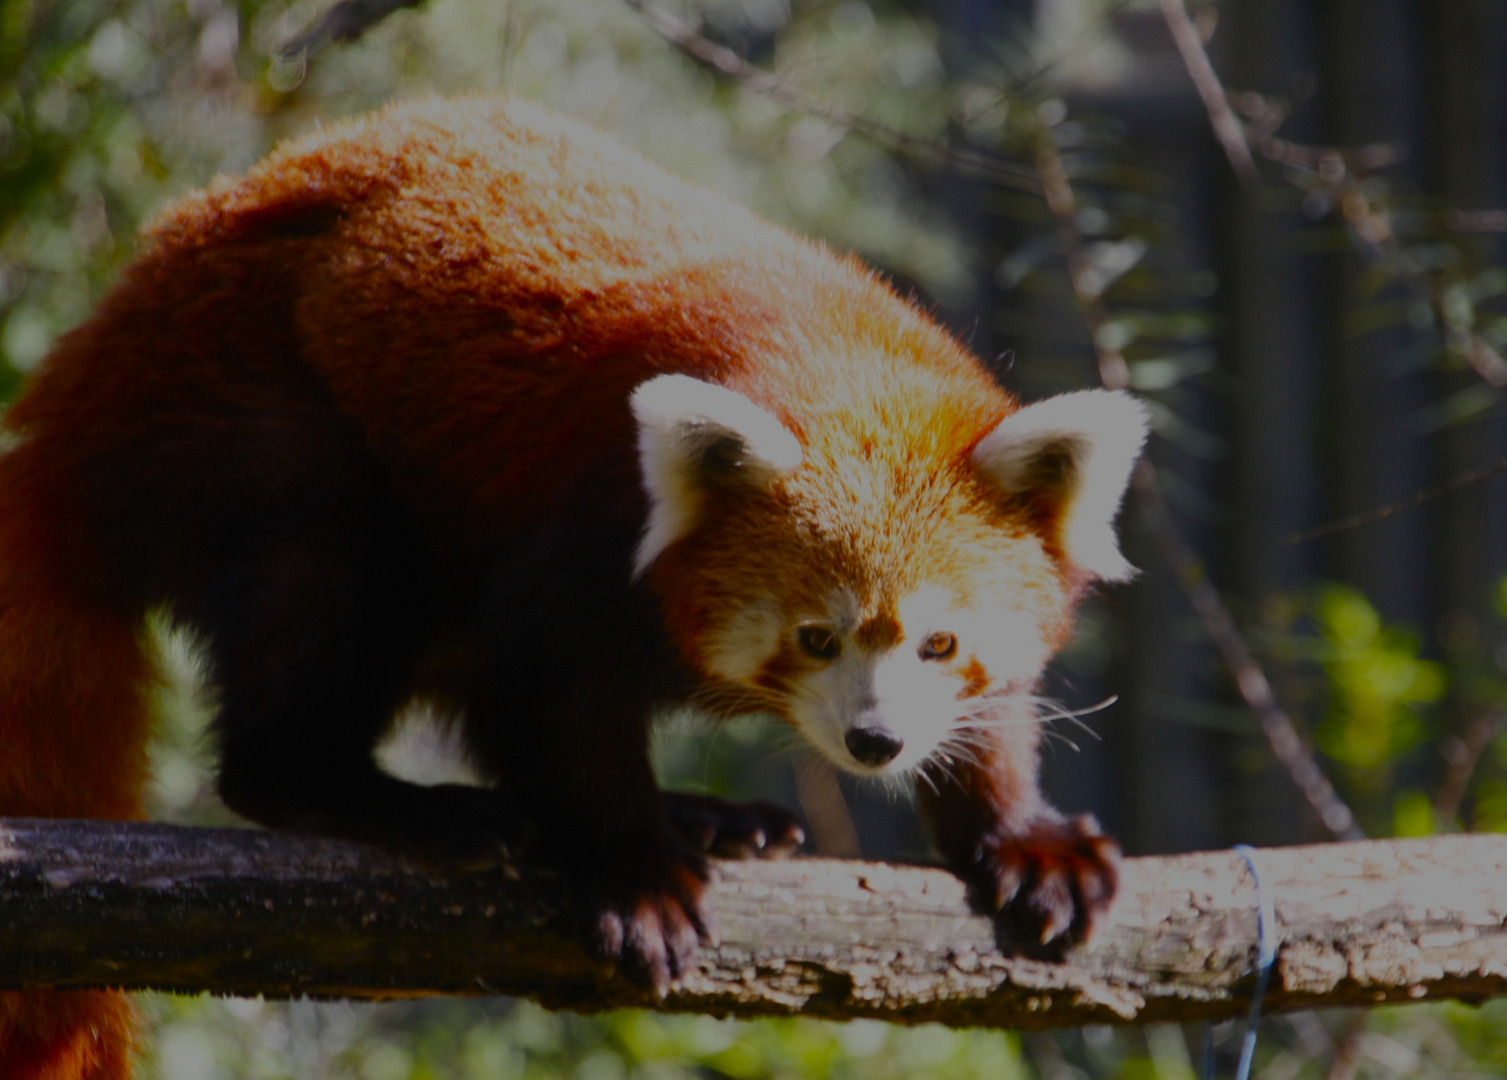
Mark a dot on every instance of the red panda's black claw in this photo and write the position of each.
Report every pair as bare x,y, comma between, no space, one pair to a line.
1049,882
650,921
732,830
607,941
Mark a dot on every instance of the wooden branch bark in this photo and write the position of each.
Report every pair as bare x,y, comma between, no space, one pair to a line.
86,904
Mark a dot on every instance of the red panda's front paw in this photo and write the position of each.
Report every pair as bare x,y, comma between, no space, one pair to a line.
1049,881
733,830
650,924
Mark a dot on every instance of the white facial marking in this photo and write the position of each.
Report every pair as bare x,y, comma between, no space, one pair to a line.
916,699
1007,642
1101,432
679,418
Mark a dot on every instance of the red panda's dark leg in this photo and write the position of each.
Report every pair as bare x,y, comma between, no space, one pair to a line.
578,762
314,631
308,676
1047,875
576,661
601,820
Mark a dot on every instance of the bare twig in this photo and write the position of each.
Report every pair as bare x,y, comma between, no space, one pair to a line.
1334,169
1381,513
1362,159
1337,171
346,20
1486,362
1226,125
723,60
1461,754
1476,220
1219,624
1057,189
1237,139
1250,679
1340,174
1349,1047
832,829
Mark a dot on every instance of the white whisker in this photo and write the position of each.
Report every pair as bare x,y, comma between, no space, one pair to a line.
926,779
1049,734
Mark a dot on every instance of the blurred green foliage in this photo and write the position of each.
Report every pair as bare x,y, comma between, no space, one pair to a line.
520,1041
1383,715
1376,681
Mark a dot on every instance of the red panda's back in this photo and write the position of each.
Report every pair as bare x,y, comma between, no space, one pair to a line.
479,284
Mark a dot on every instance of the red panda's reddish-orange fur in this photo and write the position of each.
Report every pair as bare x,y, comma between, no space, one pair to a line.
73,735
370,421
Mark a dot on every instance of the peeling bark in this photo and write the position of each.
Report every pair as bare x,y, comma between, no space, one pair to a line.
88,904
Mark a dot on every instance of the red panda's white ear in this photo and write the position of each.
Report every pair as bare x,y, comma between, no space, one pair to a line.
693,433
1079,449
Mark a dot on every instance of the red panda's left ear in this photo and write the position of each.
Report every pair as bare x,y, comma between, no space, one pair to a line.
1076,451
692,434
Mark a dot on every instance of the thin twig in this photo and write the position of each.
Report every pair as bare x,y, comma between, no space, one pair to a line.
1461,754
1340,173
1381,513
346,20
1250,679
1219,624
1227,127
1476,220
832,828
1349,1047
1057,189
1334,169
723,60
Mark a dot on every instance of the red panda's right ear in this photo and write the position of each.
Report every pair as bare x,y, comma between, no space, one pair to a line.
1075,452
691,434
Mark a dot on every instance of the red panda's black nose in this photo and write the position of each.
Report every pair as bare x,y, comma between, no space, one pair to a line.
873,745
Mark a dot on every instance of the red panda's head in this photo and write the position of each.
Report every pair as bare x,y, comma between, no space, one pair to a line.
887,580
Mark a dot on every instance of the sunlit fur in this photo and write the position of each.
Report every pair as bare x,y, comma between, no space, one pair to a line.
888,529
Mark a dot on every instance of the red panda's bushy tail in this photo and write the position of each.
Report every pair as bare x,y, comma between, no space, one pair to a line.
75,691
80,1035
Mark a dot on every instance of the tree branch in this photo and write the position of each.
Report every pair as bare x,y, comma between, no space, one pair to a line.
86,904
1412,502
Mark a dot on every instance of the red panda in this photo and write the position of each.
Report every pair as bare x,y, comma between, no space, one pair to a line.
463,401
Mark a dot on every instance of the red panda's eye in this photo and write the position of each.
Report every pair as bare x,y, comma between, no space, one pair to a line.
818,641
939,647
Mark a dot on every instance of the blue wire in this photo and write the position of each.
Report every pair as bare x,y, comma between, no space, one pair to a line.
1266,939
1266,953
